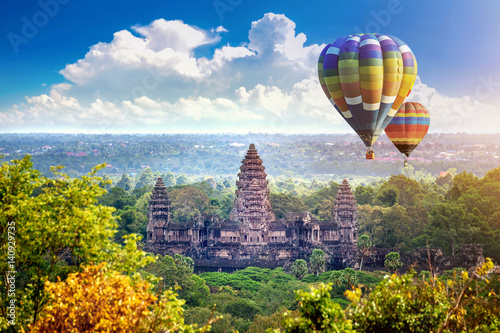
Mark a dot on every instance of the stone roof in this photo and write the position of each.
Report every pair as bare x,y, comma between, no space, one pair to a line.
276,225
328,225
178,226
230,225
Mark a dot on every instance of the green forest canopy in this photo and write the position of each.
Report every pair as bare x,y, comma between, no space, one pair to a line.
61,215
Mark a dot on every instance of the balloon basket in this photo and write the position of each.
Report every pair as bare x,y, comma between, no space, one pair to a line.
370,155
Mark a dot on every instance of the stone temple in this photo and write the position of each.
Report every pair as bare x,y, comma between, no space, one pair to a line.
253,236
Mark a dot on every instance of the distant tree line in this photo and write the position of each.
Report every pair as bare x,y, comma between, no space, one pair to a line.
298,156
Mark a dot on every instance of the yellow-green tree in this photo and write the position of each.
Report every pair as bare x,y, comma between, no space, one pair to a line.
317,313
407,304
261,324
58,226
102,300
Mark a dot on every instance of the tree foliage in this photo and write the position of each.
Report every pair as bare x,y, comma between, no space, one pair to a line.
181,260
327,193
363,244
286,203
186,201
201,316
262,324
145,179
392,262
235,281
176,273
102,300
364,195
318,313
406,304
402,190
126,183
56,231
299,269
445,180
317,262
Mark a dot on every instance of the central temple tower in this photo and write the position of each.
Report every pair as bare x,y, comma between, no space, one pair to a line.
252,208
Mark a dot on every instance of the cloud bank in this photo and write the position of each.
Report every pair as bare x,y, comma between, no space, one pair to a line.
150,79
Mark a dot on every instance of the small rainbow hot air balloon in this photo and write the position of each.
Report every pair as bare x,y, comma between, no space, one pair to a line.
408,127
367,77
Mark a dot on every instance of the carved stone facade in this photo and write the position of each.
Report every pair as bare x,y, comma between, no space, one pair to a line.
252,208
252,236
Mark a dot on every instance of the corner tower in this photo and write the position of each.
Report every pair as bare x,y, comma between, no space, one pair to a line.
252,208
159,213
345,213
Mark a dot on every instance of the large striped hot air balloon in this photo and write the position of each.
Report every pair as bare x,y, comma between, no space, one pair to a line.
367,77
408,127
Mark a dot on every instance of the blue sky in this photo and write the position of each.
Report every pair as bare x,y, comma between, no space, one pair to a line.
230,65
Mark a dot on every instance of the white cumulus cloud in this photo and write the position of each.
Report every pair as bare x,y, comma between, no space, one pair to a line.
151,79
455,114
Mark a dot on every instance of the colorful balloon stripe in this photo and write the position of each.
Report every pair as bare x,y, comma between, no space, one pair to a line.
367,77
408,127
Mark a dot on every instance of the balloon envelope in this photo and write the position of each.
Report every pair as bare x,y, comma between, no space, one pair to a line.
408,127
367,77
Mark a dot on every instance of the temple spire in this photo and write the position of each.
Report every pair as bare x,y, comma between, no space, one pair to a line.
159,211
345,202
252,207
345,214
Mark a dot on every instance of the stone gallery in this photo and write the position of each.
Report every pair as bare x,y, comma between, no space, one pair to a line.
253,236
